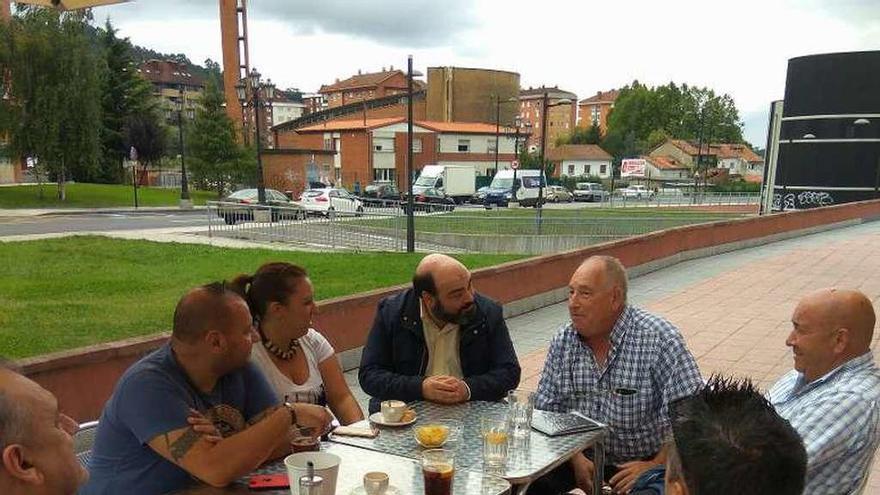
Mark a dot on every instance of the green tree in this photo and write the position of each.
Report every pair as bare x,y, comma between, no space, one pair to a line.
146,134
582,135
643,116
125,95
53,113
215,157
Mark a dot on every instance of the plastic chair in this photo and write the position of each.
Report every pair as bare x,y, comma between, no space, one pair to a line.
83,441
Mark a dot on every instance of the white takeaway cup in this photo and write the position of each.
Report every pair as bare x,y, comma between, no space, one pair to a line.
326,466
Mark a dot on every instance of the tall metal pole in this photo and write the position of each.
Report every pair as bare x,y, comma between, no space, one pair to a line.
544,111
699,154
497,126
516,157
184,184
261,188
410,219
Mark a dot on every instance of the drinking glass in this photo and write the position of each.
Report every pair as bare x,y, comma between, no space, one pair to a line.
438,468
494,431
522,403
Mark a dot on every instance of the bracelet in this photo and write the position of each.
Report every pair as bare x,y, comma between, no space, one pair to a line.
290,407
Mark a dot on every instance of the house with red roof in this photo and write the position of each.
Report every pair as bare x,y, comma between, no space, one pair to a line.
580,160
374,149
368,86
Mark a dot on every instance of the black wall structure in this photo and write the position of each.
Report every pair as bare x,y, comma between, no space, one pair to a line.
829,138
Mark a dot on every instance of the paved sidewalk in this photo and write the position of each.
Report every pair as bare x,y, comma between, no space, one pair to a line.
734,309
34,212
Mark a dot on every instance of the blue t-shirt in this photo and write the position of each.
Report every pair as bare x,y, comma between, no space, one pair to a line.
153,397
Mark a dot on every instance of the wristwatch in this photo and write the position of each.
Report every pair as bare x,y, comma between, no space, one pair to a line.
290,407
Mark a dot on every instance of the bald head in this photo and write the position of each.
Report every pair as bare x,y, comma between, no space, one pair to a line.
17,393
608,269
435,270
844,308
443,285
202,309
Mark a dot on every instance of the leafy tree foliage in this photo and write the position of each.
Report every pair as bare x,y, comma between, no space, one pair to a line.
53,110
126,95
643,117
582,135
216,159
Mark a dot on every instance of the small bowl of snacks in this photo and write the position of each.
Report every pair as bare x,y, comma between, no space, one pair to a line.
431,435
436,433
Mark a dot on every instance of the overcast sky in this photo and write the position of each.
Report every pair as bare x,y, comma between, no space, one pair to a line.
740,48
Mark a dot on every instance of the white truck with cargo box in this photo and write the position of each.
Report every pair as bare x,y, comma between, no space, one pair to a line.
457,182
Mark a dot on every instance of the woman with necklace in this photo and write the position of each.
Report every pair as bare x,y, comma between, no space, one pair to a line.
298,361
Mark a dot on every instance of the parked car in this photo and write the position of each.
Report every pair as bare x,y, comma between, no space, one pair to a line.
430,199
556,194
637,191
249,198
381,190
589,191
480,195
329,199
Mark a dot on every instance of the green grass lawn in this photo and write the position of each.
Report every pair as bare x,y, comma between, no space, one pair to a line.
65,293
94,196
602,223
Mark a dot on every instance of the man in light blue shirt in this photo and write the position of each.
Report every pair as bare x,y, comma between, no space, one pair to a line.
832,397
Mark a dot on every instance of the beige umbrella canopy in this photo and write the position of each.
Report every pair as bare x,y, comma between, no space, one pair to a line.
70,4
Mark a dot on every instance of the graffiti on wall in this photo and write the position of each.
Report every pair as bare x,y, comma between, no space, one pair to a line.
801,201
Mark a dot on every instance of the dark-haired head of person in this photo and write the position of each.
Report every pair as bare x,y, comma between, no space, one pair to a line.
280,296
727,439
213,330
443,285
36,440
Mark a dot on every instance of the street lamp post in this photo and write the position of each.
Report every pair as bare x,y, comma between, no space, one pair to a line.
185,201
410,218
253,91
545,111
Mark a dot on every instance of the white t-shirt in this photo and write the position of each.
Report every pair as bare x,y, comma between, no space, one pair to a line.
316,349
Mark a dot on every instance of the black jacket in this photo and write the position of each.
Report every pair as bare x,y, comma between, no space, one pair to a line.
395,357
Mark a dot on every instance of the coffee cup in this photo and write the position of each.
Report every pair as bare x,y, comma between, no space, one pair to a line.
375,483
392,410
326,466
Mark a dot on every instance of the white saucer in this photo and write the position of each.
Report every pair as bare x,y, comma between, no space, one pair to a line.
377,418
392,490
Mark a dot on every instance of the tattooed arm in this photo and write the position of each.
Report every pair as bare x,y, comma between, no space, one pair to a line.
220,463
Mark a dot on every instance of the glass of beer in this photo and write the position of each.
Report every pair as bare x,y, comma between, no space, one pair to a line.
494,431
438,467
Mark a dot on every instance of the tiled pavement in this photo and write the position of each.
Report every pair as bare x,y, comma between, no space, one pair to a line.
734,308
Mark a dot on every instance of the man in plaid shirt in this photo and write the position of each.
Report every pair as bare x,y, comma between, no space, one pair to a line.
832,397
619,365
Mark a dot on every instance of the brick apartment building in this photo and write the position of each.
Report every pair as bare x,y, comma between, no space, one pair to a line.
560,121
596,109
374,149
172,81
366,87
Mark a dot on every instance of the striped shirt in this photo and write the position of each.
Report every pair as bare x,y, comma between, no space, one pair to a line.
838,417
648,366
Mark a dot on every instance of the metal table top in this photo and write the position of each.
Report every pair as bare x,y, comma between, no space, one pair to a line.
404,474
526,461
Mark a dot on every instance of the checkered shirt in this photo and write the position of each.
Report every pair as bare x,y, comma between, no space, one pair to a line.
838,417
648,367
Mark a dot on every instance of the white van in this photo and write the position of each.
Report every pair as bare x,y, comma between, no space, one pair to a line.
528,183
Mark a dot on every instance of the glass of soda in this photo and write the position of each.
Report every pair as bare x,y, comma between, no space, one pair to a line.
304,441
438,468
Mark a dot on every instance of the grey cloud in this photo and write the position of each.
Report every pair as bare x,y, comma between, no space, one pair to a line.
404,23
